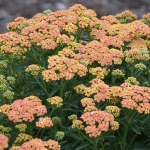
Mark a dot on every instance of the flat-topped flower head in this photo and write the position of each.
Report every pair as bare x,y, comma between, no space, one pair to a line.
56,101
62,67
34,69
114,110
126,16
87,102
135,55
73,117
110,19
140,66
96,121
21,127
78,9
71,28
114,125
59,135
132,80
33,98
90,108
23,110
99,72
21,138
9,95
11,79
77,124
3,142
117,73
146,18
44,122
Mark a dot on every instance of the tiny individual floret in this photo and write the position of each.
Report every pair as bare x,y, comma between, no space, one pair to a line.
56,121
44,122
132,80
114,110
3,142
73,117
140,66
114,125
21,127
59,135
21,138
77,124
56,101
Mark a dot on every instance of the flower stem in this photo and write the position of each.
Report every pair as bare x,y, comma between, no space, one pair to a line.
41,86
81,138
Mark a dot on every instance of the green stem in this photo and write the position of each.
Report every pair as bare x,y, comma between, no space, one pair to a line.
61,89
42,133
126,130
51,112
86,137
41,86
136,133
113,81
81,138
72,86
95,143
119,136
29,128
38,132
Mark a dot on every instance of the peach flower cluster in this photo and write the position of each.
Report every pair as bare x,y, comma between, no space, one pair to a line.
38,144
77,124
10,42
135,97
3,142
62,67
33,98
96,121
56,101
134,55
23,110
44,122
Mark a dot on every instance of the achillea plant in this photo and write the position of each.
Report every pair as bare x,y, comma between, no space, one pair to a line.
70,65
